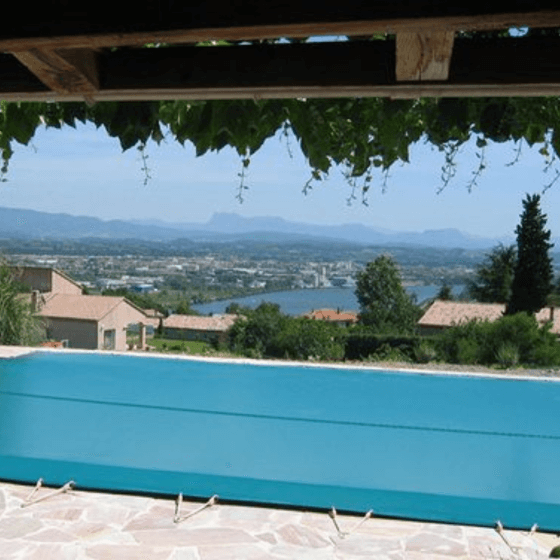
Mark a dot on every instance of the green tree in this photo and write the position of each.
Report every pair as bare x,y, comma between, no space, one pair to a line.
445,293
257,335
532,280
18,325
494,277
184,308
384,303
302,339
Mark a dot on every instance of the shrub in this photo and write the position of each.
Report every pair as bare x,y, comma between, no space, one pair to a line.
268,333
507,355
520,330
511,340
18,323
387,353
468,351
425,352
463,344
302,339
258,332
547,355
360,343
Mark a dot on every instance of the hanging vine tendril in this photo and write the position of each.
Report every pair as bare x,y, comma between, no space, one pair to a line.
331,133
242,187
144,158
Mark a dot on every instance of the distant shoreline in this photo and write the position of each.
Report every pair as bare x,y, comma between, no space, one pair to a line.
300,301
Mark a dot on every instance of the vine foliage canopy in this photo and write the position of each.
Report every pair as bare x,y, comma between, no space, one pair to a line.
383,77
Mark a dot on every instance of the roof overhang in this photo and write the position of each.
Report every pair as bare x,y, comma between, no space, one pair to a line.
57,53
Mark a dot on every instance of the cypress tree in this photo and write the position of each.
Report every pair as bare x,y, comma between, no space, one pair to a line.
532,280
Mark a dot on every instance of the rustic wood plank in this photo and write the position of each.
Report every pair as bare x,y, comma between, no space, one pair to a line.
53,36
65,72
424,56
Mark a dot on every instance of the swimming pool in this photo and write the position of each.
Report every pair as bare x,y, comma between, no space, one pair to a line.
436,447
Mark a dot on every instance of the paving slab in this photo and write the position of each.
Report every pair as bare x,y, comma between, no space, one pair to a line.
83,525
15,351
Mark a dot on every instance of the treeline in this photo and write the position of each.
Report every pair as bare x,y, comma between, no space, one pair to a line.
406,256
511,341
265,332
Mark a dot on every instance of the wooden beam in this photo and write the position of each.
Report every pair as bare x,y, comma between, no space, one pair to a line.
527,66
65,72
403,91
424,56
56,35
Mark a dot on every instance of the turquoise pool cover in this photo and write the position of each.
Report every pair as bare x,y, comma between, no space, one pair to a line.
436,447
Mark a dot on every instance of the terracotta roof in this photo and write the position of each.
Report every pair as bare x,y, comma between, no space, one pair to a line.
448,313
194,322
443,314
154,313
332,315
153,321
544,315
87,308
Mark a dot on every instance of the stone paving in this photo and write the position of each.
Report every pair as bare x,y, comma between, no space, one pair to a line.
80,525
15,351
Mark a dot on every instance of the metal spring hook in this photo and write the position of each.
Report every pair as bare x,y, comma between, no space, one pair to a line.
177,518
29,501
500,530
342,534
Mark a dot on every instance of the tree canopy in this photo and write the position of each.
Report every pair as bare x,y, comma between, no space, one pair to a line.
18,324
494,276
363,135
267,332
532,280
384,303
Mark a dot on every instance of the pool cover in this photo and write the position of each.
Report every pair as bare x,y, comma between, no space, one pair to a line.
435,447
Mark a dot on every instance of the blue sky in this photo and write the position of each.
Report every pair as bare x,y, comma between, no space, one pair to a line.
84,172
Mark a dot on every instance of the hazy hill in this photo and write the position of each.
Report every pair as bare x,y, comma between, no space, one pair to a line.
224,227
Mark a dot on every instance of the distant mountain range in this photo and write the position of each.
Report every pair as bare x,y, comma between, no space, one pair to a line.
222,228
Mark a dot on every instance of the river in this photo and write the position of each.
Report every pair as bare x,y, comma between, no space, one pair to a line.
297,302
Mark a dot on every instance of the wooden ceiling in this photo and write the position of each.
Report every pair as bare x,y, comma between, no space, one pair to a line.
62,53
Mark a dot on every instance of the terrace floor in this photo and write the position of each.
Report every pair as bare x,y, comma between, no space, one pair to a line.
80,525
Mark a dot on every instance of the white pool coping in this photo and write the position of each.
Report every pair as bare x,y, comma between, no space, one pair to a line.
7,352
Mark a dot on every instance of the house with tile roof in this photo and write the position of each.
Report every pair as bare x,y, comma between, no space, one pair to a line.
81,321
90,322
46,280
342,318
193,327
444,314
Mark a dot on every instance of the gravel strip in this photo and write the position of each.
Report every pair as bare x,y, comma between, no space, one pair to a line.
553,372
